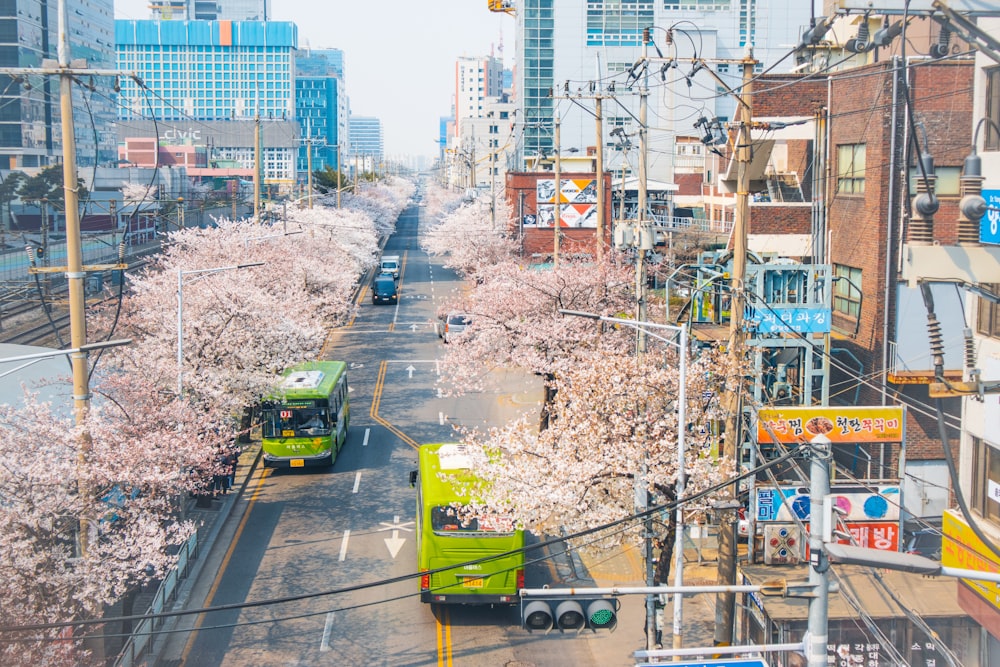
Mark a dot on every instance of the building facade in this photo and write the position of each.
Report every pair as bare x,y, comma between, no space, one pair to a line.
214,72
367,144
30,125
570,49
211,10
321,108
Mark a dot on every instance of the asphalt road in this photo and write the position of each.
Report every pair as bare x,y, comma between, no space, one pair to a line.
323,540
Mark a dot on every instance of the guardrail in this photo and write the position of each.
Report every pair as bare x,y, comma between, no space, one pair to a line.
143,636
685,224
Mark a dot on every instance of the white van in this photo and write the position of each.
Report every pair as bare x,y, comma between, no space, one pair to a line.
390,264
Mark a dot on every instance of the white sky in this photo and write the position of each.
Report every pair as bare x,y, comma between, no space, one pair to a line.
399,55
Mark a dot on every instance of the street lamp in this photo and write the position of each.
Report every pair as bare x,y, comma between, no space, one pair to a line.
180,313
682,346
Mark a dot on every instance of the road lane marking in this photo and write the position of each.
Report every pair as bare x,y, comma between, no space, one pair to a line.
343,545
377,400
442,618
225,564
441,418
368,432
327,631
357,482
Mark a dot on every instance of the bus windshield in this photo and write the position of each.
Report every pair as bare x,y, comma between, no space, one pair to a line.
289,422
446,519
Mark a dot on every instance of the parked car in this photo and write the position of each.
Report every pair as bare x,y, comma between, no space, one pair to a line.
384,289
453,324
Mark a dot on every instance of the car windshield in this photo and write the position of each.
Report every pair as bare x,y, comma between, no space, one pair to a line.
289,422
460,320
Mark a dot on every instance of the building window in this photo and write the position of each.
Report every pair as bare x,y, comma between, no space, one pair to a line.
851,169
986,480
988,321
992,108
847,290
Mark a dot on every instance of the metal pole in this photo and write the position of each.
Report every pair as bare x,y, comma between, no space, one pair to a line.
180,333
819,489
74,266
340,171
256,169
309,168
681,483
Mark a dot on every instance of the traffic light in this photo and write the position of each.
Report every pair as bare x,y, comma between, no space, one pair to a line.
569,612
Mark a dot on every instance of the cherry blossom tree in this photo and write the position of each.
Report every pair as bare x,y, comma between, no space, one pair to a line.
120,488
472,238
613,415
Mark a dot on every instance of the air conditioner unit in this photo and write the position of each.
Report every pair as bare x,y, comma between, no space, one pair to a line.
783,544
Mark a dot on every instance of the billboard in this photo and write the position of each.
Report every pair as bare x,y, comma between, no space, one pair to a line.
577,202
848,424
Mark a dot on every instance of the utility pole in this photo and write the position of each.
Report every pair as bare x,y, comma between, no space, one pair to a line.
599,169
557,200
256,168
340,172
74,267
309,165
725,604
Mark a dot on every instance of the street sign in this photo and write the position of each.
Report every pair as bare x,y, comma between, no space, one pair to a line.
989,225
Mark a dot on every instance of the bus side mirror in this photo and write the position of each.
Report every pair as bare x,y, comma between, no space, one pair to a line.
413,478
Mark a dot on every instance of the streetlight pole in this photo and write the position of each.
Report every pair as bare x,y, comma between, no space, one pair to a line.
180,313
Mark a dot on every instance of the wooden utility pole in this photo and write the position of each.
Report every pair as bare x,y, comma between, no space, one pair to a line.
74,268
556,200
725,604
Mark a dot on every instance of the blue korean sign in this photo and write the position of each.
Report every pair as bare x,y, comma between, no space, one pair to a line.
989,226
786,320
735,662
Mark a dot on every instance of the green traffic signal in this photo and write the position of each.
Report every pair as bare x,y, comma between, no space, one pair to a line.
573,613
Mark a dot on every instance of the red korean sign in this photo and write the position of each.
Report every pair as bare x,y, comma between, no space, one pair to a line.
840,424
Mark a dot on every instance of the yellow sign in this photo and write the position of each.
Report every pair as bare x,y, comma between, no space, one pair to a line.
844,424
961,548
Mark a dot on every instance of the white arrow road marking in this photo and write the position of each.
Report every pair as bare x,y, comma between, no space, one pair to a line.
410,369
441,418
414,327
357,481
327,631
343,545
364,443
395,543
356,365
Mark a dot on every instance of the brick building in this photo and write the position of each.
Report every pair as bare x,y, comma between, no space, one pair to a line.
858,218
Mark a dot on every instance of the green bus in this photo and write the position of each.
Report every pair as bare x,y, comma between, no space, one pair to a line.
444,539
304,420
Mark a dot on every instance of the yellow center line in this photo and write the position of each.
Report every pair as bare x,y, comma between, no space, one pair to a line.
222,567
442,622
376,402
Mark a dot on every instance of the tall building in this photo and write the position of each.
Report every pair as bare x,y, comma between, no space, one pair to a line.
211,10
321,107
476,79
564,46
366,140
195,71
30,130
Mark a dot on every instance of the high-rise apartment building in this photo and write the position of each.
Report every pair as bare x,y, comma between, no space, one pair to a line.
196,71
476,79
321,107
366,140
565,45
30,130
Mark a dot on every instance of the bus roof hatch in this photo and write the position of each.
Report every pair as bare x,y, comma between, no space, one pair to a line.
303,380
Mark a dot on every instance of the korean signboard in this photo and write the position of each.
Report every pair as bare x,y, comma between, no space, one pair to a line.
847,424
778,320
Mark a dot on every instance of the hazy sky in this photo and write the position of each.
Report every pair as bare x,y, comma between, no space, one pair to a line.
399,55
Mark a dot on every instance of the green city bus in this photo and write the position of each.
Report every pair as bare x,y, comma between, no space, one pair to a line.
444,539
304,420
